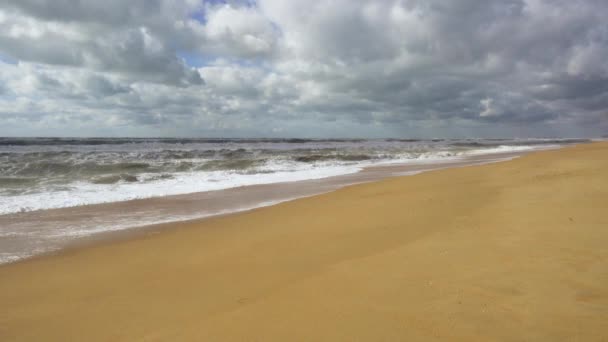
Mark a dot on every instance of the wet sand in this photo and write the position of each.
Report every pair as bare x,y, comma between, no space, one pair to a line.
508,251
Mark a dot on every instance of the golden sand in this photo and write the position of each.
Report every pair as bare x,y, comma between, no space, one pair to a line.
510,251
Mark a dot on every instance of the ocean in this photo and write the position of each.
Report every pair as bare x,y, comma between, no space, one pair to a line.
57,190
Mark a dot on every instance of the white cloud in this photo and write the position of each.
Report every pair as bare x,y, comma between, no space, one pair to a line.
487,108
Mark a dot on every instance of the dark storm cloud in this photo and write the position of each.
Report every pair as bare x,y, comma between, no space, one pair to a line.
345,67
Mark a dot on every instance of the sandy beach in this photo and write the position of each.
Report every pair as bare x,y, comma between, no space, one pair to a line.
512,251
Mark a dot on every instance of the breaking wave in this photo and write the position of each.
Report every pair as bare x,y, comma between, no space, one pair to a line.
42,173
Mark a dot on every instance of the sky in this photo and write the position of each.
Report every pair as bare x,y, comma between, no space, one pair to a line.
310,68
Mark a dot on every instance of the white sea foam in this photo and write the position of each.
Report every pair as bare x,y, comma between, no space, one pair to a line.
84,193
498,149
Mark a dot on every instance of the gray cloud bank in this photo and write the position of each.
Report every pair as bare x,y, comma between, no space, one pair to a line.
366,68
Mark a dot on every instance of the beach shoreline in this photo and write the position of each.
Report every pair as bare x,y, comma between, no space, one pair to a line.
511,250
107,222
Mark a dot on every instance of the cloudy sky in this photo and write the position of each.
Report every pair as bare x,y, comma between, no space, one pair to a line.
310,68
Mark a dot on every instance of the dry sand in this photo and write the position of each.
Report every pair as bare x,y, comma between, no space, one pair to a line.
510,251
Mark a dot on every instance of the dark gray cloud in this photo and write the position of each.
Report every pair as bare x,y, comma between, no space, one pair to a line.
325,67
